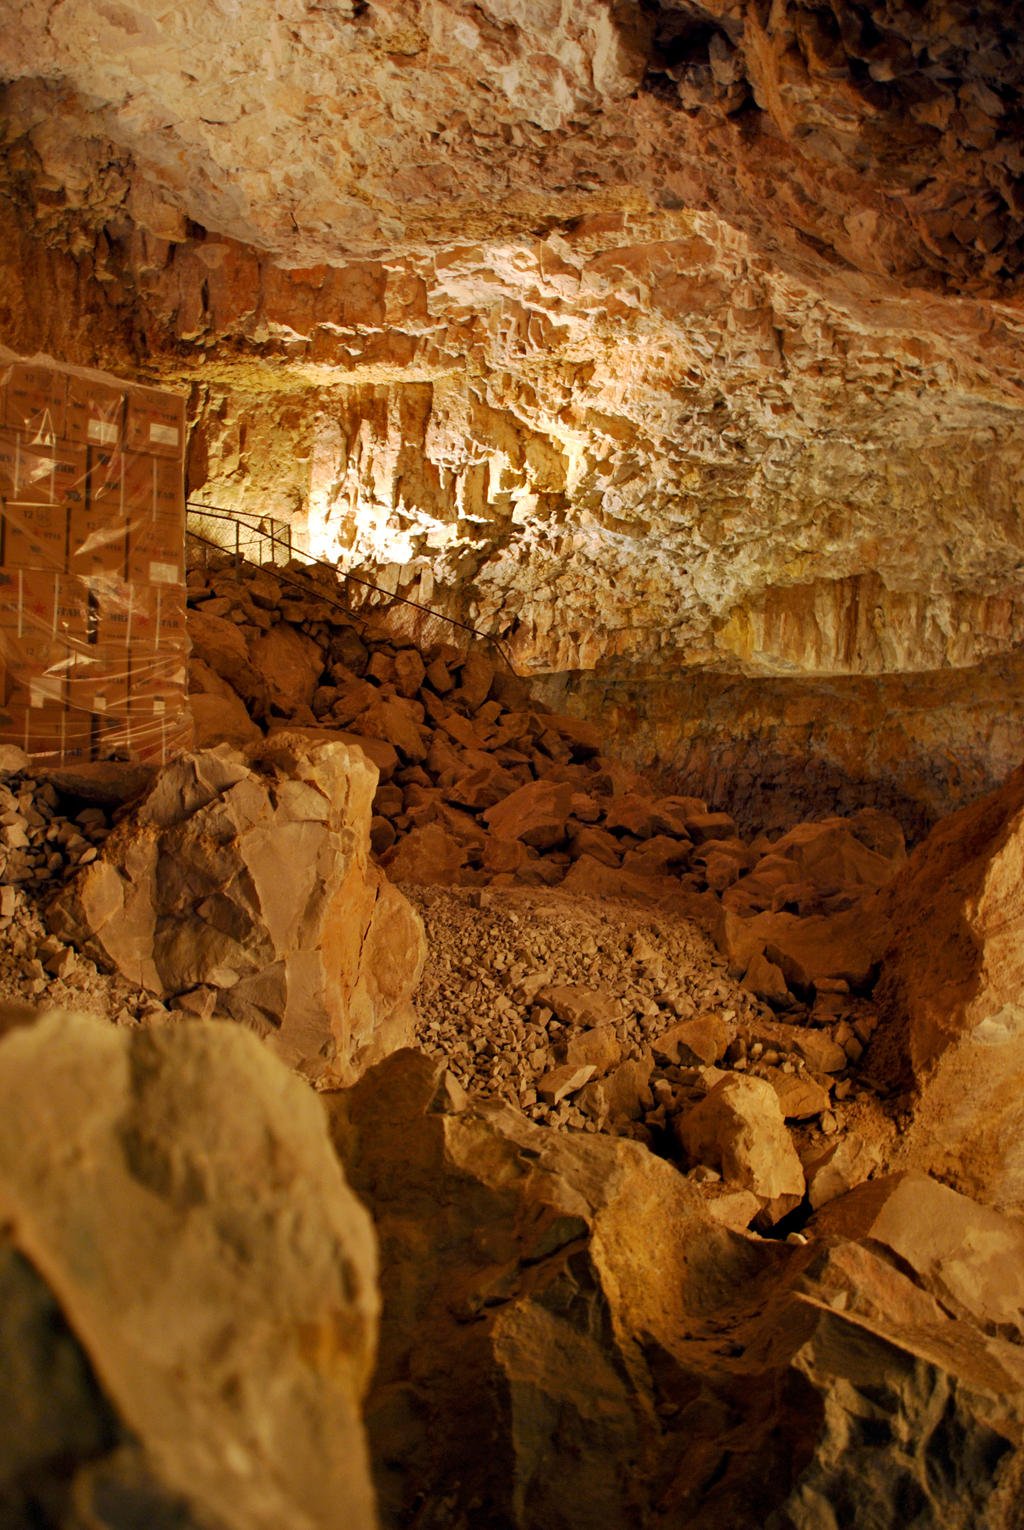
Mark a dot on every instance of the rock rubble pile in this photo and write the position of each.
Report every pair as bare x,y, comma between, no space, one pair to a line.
517,838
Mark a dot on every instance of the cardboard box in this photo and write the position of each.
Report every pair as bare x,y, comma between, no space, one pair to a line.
39,731
144,637
28,600
112,599
95,413
101,696
35,536
35,473
97,542
153,487
70,476
106,479
91,472
156,553
8,464
155,422
72,617
35,402
38,693
172,632
159,682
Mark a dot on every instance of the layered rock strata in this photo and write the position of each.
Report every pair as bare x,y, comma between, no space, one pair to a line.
772,750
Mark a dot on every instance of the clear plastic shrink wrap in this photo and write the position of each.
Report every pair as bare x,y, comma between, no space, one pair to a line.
92,565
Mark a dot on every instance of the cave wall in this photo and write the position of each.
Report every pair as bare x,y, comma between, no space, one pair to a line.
665,340
769,750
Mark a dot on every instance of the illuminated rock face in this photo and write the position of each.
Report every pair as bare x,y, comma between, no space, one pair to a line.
683,337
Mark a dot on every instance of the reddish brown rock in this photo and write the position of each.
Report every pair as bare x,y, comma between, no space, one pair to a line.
429,855
291,664
221,719
536,814
396,720
220,645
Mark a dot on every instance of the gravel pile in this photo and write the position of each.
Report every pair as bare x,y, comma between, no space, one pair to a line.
495,953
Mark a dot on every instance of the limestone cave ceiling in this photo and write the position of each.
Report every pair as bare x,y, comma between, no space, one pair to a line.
658,333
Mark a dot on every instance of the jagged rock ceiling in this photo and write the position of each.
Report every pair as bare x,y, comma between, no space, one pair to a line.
660,333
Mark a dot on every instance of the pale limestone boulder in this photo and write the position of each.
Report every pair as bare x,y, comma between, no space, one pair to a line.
576,1005
380,753
799,1096
703,1039
291,664
170,1199
739,1129
845,1164
820,1052
561,1083
252,875
598,1046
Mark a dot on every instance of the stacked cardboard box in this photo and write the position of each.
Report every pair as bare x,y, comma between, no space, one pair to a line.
92,565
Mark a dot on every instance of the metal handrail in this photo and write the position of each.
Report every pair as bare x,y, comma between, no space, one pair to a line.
221,512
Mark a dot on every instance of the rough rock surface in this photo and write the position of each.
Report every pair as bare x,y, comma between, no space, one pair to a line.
950,995
773,750
739,1129
243,885
546,1290
683,333
190,1301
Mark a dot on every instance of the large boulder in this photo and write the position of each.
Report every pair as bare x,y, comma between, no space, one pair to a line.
249,876
188,1299
221,719
951,996
537,814
968,1256
739,1129
219,645
291,663
571,1340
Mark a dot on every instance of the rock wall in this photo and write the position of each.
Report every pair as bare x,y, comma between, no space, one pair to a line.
768,750
679,336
